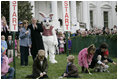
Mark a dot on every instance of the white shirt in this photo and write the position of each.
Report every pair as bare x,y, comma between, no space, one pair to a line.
34,27
41,63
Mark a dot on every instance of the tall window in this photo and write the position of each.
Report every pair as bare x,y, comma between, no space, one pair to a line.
91,18
105,18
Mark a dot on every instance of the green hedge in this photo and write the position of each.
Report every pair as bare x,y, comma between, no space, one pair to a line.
79,42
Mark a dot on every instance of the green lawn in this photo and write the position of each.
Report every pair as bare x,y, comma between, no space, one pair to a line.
55,70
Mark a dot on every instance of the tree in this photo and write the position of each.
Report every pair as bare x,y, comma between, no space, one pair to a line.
5,10
24,10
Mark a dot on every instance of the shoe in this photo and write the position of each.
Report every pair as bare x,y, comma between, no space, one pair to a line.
60,77
54,61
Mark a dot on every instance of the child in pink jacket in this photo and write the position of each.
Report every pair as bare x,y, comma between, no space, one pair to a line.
85,57
5,68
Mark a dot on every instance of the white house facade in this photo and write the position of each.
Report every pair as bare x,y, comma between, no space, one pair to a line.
83,14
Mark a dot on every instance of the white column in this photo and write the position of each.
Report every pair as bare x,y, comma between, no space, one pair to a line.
99,19
74,16
73,12
55,16
86,14
33,9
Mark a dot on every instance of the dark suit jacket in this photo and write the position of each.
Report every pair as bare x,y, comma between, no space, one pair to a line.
10,46
36,38
37,68
94,59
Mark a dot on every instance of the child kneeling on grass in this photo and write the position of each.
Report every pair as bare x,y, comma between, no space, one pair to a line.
71,69
40,66
105,59
5,68
85,57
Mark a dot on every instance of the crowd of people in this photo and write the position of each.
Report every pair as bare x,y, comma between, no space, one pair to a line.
28,40
96,31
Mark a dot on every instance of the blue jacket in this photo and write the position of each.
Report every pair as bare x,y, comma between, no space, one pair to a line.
4,44
25,40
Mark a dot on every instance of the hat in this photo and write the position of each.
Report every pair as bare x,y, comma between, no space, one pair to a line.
106,53
20,23
3,50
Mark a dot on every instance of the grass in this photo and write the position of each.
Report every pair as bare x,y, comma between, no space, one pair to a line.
56,70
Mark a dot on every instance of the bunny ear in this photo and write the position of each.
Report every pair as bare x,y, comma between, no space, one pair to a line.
50,15
42,14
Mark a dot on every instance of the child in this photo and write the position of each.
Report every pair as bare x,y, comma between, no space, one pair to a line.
61,46
5,68
40,66
71,69
3,42
3,51
105,59
69,45
85,57
10,46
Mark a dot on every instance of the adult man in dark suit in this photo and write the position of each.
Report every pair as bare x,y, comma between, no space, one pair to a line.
36,37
